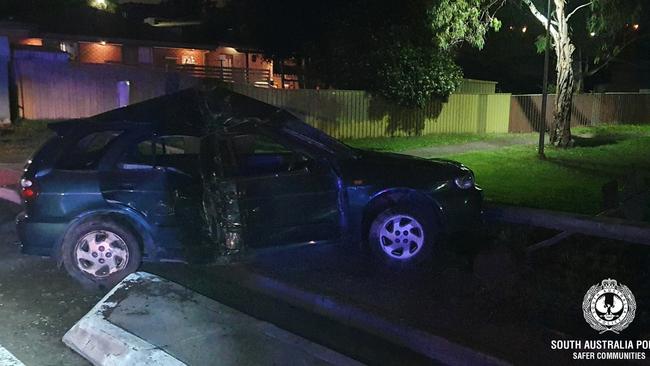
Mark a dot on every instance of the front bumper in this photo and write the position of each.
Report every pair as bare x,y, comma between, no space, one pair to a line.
38,238
462,210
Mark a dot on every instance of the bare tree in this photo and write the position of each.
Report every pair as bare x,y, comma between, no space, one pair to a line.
468,21
561,41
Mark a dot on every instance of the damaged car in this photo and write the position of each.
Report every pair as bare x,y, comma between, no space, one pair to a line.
202,174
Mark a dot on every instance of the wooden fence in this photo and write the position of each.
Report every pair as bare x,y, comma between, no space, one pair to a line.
587,110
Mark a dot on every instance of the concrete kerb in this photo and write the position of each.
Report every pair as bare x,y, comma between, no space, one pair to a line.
434,347
148,320
604,227
103,343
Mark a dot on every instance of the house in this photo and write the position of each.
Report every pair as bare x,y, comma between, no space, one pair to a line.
157,48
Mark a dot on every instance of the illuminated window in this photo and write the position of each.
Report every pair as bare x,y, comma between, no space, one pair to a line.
188,60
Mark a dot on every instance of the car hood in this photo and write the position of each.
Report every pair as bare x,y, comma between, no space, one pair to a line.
379,168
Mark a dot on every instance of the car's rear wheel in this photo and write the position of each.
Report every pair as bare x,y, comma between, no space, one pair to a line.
100,252
403,236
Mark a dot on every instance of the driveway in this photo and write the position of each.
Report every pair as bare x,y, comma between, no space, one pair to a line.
486,145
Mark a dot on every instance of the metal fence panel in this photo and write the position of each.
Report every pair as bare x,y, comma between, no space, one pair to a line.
587,110
357,114
59,90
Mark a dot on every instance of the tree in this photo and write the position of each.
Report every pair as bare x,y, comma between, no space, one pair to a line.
386,47
605,18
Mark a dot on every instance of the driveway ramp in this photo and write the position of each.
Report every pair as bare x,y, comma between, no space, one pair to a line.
147,320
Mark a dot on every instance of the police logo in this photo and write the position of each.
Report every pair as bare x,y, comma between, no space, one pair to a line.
609,306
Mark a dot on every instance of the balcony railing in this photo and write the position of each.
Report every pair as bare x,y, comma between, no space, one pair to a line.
257,77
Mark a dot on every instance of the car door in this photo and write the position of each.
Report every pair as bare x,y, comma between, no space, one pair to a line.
158,177
283,194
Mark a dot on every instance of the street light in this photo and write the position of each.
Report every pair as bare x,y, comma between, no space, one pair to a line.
542,127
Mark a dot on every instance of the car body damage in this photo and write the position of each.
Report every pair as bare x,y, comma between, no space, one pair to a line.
206,173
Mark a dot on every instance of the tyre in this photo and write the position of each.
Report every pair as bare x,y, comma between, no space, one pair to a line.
403,236
100,252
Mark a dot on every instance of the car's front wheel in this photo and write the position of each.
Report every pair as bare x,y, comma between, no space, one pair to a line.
100,252
402,236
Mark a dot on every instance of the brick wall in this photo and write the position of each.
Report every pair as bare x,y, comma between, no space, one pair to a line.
97,53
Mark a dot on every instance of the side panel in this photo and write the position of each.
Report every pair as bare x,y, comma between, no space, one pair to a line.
290,207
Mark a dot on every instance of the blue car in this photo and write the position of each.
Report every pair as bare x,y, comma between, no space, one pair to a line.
206,173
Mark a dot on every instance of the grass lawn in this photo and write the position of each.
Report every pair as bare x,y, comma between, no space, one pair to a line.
568,180
21,141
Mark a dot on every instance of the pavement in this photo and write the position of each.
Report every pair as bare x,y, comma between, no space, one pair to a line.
485,145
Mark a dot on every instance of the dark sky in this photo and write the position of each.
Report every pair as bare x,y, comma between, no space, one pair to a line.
509,56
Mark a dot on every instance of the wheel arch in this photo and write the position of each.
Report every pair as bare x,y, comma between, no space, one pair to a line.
132,221
390,197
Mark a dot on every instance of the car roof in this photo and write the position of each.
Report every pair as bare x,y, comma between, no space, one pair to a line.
194,111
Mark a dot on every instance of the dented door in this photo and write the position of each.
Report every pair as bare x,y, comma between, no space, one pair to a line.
268,197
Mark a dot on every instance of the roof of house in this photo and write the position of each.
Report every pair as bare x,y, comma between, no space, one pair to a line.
93,25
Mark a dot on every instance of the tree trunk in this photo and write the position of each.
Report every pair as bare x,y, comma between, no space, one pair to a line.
561,131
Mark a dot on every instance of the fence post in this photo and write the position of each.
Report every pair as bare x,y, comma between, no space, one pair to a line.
595,108
5,55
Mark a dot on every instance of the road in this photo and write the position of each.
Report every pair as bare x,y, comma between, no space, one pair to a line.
38,302
488,301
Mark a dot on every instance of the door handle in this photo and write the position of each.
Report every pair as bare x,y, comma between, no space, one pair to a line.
180,195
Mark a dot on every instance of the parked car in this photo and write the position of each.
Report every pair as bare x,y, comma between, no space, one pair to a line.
200,174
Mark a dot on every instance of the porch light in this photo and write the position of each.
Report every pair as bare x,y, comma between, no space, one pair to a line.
103,43
635,26
524,29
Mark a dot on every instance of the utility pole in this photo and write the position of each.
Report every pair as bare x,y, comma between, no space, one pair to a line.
542,125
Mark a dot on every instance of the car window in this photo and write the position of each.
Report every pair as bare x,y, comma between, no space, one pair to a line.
88,150
259,155
176,153
140,156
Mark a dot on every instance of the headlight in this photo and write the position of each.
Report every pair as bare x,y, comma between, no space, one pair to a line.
465,181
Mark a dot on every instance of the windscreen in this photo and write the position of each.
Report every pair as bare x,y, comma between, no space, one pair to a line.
313,135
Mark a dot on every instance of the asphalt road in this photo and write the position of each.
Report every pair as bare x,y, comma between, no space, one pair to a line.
490,300
38,302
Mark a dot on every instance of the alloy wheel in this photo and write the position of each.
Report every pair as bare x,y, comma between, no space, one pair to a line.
101,253
401,236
